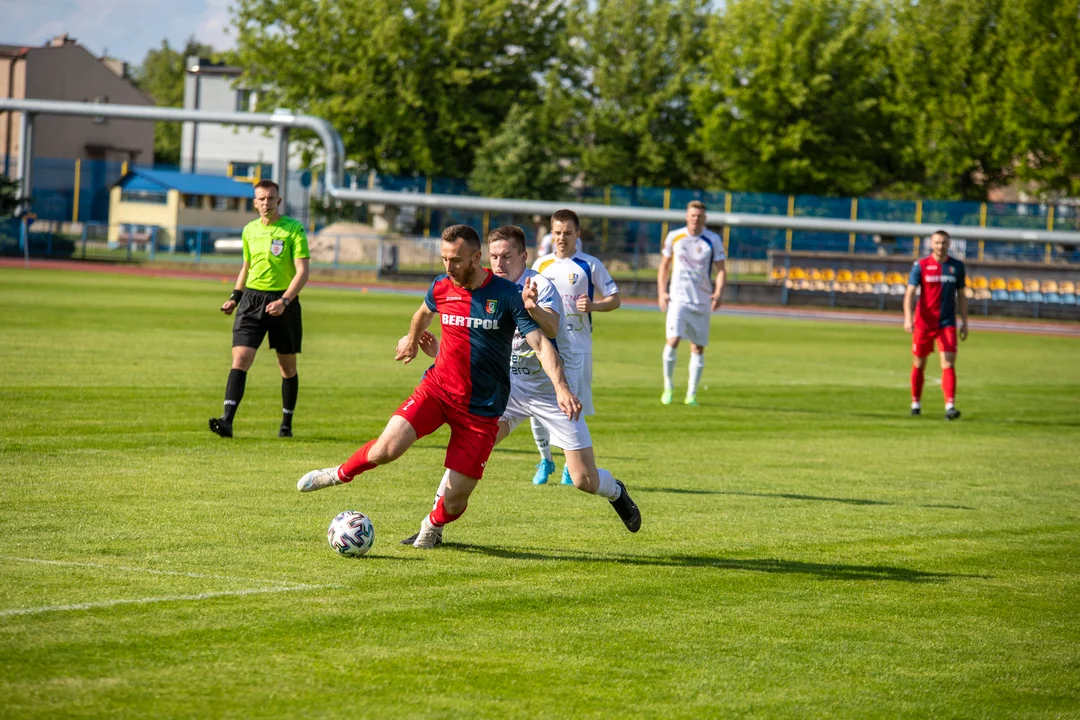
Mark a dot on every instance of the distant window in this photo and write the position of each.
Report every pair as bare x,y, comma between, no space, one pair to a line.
246,100
100,100
249,169
144,196
193,201
221,203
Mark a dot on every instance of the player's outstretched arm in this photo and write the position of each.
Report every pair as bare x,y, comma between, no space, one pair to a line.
721,278
909,308
421,320
552,364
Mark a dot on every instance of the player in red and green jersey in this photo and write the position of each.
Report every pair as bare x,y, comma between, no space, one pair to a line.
266,299
941,281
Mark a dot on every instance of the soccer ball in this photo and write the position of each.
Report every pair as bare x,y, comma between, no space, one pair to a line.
351,533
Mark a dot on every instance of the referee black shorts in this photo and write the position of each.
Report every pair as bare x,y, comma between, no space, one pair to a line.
253,323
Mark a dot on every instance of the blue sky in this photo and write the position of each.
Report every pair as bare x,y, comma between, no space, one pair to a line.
124,28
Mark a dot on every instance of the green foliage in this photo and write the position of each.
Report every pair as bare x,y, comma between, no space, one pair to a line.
9,196
795,97
161,76
807,549
638,61
519,160
950,58
412,86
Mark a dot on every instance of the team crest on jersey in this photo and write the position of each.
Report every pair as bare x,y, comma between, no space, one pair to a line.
277,246
573,278
491,306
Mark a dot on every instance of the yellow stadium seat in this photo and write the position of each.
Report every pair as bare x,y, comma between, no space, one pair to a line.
779,273
813,274
877,277
797,273
1067,287
828,274
1049,286
997,283
1015,284
845,276
1031,285
979,282
861,276
895,278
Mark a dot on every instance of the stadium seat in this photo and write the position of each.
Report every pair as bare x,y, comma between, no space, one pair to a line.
778,273
881,288
1031,285
980,282
819,285
1017,295
864,287
845,276
999,294
1052,298
969,293
877,277
1066,287
813,274
997,283
897,289
802,284
895,278
1068,299
1015,285
1049,286
797,273
848,287
828,274
861,276
1035,297
982,294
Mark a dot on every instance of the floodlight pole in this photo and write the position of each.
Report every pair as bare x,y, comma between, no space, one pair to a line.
26,155
281,166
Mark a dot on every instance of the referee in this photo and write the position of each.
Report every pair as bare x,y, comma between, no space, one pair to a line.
266,301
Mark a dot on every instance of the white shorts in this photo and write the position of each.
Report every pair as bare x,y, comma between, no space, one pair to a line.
690,324
565,433
578,370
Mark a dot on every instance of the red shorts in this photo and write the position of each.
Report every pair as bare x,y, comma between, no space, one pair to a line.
923,340
471,436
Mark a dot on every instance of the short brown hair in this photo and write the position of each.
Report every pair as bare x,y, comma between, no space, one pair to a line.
696,204
944,234
508,233
567,216
266,185
462,232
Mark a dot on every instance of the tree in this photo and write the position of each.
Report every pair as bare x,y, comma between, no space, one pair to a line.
1042,93
413,86
951,58
519,160
638,61
161,76
795,97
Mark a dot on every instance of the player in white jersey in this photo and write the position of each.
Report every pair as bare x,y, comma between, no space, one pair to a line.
532,393
586,287
545,245
689,257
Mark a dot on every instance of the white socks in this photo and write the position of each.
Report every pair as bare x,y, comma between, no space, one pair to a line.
669,367
697,364
542,438
608,489
442,489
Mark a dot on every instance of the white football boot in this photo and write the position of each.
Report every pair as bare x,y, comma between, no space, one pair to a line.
429,535
318,479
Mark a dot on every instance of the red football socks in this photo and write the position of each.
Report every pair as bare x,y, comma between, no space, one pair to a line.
440,517
356,464
917,377
948,384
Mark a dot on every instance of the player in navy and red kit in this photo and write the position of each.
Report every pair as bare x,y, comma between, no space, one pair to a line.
467,387
942,280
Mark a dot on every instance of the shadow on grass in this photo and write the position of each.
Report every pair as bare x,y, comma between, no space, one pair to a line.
824,571
793,496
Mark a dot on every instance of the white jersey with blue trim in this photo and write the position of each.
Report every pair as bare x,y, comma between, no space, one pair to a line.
692,266
525,369
574,277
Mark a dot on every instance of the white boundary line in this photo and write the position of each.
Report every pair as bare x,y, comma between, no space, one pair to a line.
145,601
104,566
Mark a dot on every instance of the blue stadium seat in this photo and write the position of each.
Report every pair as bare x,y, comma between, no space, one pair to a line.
1068,299
999,295
1035,297
1052,298
1018,296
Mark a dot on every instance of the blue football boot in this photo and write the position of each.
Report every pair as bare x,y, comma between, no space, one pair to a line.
543,469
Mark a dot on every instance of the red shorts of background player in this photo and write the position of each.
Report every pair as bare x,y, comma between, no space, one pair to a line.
923,340
471,436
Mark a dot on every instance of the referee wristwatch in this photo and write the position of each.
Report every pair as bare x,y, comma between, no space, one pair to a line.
285,301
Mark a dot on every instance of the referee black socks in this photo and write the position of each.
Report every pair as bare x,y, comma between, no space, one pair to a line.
234,393
290,387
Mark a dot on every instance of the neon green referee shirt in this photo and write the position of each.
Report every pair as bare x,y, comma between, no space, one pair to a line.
269,251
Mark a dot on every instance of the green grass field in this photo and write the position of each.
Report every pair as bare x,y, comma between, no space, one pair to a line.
807,549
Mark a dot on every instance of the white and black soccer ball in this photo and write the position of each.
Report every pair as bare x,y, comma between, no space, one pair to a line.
351,533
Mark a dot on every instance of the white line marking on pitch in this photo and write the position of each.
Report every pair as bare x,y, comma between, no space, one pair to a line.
283,583
144,601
